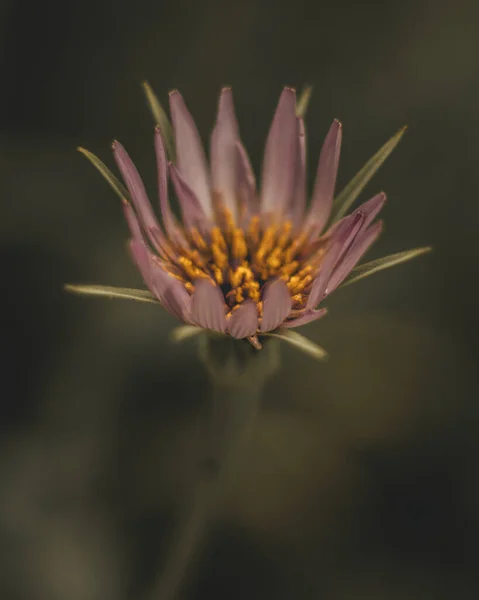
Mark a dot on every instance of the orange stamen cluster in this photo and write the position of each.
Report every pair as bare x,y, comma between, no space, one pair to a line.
241,260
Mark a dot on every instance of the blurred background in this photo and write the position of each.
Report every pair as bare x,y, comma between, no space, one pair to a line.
360,479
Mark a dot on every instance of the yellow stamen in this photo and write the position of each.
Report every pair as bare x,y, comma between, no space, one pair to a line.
298,298
224,216
305,271
285,235
195,258
241,260
218,275
219,249
191,271
198,240
275,259
252,287
239,274
266,244
239,246
253,230
289,269
296,245
297,284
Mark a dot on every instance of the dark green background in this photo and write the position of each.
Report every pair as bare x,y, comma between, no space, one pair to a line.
361,480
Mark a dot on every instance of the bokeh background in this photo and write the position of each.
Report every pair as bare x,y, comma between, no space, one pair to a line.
360,480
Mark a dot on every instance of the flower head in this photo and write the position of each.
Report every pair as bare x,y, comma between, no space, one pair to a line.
245,261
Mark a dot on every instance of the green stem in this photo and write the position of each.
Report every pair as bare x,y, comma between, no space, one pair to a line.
237,385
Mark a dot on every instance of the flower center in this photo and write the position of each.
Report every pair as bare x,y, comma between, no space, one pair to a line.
240,260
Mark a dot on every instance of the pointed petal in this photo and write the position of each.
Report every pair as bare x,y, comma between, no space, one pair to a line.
345,199
246,184
138,234
184,332
161,120
322,199
299,199
207,306
191,208
358,248
320,284
139,197
341,237
169,291
132,222
244,320
307,317
277,304
190,157
385,262
112,292
173,230
279,166
371,209
224,164
115,183
302,343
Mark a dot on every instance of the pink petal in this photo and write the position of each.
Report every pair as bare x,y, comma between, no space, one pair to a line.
359,247
341,238
133,224
138,195
191,160
244,320
191,208
279,166
207,306
322,199
224,163
347,232
320,284
162,167
307,317
169,291
299,199
371,208
277,305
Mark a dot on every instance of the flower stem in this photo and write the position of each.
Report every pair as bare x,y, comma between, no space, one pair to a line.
236,394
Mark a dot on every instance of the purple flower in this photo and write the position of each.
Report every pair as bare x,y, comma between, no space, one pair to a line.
245,261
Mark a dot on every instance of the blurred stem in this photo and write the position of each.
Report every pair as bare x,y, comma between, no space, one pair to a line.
237,379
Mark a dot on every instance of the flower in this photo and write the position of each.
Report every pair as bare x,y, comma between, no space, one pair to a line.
246,262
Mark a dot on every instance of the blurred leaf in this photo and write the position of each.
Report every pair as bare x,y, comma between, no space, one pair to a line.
161,119
383,263
345,199
112,292
299,341
115,183
184,332
303,101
